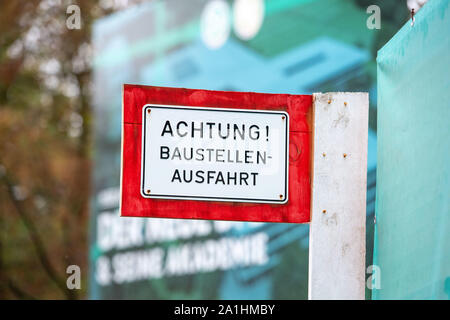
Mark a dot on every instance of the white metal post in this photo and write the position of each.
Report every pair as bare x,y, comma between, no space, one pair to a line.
338,209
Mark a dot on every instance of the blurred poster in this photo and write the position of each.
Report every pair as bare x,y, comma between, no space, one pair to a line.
279,46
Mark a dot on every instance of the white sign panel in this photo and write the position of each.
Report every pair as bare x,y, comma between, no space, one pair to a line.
214,154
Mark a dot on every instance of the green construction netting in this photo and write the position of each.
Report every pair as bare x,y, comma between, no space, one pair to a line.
412,232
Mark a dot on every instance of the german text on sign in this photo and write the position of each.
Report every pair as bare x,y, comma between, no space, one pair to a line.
214,154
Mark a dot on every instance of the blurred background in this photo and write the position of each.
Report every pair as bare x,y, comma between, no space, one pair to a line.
60,112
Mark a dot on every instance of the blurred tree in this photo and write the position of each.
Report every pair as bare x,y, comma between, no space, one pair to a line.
45,135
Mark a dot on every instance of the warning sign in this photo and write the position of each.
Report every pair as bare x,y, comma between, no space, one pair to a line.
214,154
